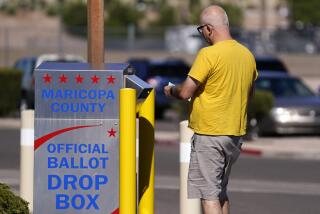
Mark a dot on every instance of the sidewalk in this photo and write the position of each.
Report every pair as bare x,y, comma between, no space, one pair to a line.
297,147
9,123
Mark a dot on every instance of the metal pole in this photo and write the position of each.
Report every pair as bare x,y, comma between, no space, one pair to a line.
96,33
128,193
60,31
6,47
187,206
146,155
26,160
131,36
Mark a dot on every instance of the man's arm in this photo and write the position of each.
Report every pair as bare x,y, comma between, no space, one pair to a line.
183,91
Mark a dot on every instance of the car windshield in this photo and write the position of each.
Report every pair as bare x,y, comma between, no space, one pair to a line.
169,70
284,87
270,65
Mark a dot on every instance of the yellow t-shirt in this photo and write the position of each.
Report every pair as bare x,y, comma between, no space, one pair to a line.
226,72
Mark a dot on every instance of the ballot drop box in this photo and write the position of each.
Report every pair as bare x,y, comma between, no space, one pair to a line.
77,137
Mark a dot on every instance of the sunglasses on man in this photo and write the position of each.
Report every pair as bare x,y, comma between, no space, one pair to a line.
200,28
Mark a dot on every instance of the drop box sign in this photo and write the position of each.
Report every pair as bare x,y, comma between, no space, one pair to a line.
77,138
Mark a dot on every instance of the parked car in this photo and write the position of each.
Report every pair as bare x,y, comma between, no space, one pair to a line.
159,73
296,108
270,63
27,66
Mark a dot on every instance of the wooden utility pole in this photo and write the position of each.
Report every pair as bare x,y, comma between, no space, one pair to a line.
96,33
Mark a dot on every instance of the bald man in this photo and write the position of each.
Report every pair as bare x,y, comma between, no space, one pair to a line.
219,84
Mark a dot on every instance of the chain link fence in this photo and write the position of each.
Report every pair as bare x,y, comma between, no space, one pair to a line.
29,41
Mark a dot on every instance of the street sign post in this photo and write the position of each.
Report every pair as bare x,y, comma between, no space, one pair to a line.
96,33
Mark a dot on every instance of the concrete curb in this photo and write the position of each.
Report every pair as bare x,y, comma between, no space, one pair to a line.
10,123
276,152
281,147
288,147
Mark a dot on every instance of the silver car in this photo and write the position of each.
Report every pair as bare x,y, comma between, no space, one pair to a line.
296,108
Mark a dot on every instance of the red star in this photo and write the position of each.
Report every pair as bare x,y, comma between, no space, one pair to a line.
111,79
47,78
63,78
112,133
95,79
79,78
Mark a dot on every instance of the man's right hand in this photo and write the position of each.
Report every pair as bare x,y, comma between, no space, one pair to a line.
167,90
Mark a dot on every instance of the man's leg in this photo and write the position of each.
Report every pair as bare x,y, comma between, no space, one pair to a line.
206,171
225,206
215,206
231,157
211,207
209,170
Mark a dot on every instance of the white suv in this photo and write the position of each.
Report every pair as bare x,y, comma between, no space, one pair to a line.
183,39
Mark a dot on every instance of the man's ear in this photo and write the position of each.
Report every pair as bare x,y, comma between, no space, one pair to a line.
209,30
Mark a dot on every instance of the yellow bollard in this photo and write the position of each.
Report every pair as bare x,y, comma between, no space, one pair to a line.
146,155
128,151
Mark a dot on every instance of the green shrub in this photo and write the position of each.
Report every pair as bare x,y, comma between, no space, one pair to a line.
10,81
9,9
258,108
122,15
167,16
260,105
75,14
13,6
53,9
235,13
10,203
307,13
74,17
194,17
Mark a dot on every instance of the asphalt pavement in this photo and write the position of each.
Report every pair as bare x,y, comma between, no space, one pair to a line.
273,175
258,185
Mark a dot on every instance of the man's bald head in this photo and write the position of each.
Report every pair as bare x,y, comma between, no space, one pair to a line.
215,16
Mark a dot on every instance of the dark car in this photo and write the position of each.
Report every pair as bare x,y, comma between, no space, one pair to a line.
270,63
296,108
27,66
159,73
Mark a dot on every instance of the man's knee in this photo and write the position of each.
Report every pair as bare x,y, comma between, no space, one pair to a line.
211,206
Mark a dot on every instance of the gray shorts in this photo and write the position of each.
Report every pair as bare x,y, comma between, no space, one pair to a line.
210,165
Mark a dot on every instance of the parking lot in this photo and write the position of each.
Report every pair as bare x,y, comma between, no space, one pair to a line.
273,175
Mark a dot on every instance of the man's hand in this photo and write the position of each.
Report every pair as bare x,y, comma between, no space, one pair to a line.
182,91
167,90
